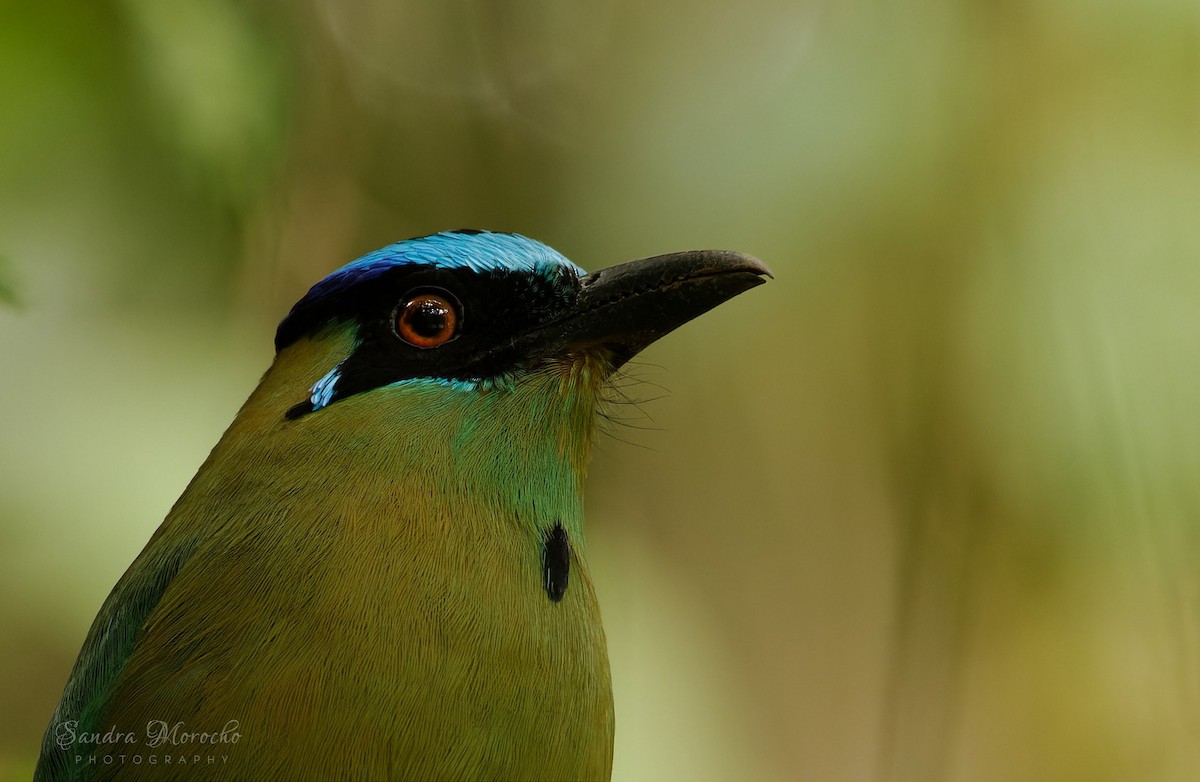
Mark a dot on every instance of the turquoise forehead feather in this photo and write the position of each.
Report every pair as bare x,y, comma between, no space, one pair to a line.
475,251
479,251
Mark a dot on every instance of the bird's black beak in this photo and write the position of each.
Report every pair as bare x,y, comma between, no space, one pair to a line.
624,308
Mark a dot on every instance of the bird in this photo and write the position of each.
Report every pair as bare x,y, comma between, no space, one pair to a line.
380,571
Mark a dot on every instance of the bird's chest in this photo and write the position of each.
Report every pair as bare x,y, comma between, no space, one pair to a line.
440,634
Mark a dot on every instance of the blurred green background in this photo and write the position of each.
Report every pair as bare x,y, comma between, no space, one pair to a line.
923,508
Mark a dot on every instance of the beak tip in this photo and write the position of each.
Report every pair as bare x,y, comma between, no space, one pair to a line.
762,268
758,267
733,261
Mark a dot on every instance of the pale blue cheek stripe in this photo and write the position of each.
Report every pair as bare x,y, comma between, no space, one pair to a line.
457,385
321,394
505,382
322,391
460,385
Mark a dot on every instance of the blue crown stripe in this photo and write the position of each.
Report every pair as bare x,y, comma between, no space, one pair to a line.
481,252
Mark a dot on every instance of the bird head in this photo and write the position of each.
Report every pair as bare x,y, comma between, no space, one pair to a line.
486,351
475,310
366,541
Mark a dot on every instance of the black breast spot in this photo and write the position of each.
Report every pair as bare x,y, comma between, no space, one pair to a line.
556,561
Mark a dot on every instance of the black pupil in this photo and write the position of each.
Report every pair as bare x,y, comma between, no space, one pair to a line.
427,318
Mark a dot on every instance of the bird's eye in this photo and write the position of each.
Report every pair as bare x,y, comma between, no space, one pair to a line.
427,319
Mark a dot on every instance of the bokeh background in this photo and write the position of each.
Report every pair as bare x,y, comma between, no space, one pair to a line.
922,508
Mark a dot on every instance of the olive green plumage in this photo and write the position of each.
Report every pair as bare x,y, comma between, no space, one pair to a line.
380,572
305,548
